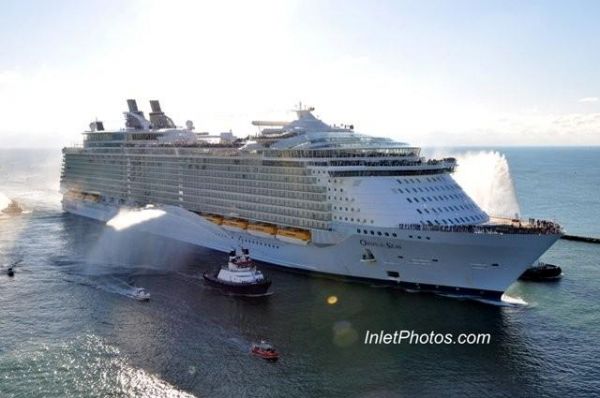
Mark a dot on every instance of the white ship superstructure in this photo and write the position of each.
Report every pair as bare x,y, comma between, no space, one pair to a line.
306,195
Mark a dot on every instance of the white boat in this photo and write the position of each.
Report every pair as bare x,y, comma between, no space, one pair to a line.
140,294
330,192
12,209
239,276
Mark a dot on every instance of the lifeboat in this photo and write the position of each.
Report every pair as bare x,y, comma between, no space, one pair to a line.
91,197
262,229
234,224
216,219
71,195
293,235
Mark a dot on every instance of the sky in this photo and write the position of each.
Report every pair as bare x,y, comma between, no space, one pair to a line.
432,73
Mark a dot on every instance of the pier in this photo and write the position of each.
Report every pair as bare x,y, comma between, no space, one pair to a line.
585,239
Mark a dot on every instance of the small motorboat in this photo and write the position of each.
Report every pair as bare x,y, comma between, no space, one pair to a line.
239,276
264,350
542,272
13,209
140,294
10,270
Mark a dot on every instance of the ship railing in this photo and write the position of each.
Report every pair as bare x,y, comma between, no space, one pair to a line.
446,162
530,226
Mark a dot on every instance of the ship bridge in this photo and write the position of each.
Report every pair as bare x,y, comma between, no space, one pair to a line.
308,132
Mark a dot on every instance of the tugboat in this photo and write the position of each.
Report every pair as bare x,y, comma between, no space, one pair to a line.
13,209
264,350
140,294
542,272
239,276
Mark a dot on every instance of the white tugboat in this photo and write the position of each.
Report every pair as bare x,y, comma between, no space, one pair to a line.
13,209
239,276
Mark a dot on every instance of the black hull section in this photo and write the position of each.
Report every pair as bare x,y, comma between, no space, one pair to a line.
242,289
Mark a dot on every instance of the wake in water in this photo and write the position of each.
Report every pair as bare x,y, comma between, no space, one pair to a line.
110,284
506,301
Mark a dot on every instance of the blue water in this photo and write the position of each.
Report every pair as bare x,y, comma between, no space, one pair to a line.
68,327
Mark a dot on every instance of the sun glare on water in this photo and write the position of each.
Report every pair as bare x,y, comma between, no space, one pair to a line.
128,218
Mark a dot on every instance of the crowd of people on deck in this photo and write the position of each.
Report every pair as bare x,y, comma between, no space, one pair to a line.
533,226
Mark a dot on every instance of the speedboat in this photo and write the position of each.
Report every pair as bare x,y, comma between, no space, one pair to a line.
264,350
10,271
239,276
542,272
140,294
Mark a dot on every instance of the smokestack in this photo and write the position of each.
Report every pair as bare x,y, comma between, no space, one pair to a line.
155,106
158,119
132,105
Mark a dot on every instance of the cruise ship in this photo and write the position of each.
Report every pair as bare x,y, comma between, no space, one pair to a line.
305,195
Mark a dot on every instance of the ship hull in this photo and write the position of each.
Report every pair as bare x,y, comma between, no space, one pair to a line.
454,263
242,289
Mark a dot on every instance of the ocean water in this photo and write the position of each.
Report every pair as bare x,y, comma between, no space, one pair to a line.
69,328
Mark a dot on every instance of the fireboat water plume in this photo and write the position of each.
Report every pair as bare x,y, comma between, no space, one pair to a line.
4,201
485,177
125,245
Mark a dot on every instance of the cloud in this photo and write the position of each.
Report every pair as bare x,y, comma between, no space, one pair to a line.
589,99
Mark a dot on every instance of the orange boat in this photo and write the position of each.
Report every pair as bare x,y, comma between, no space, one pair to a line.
234,224
262,229
214,218
294,235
